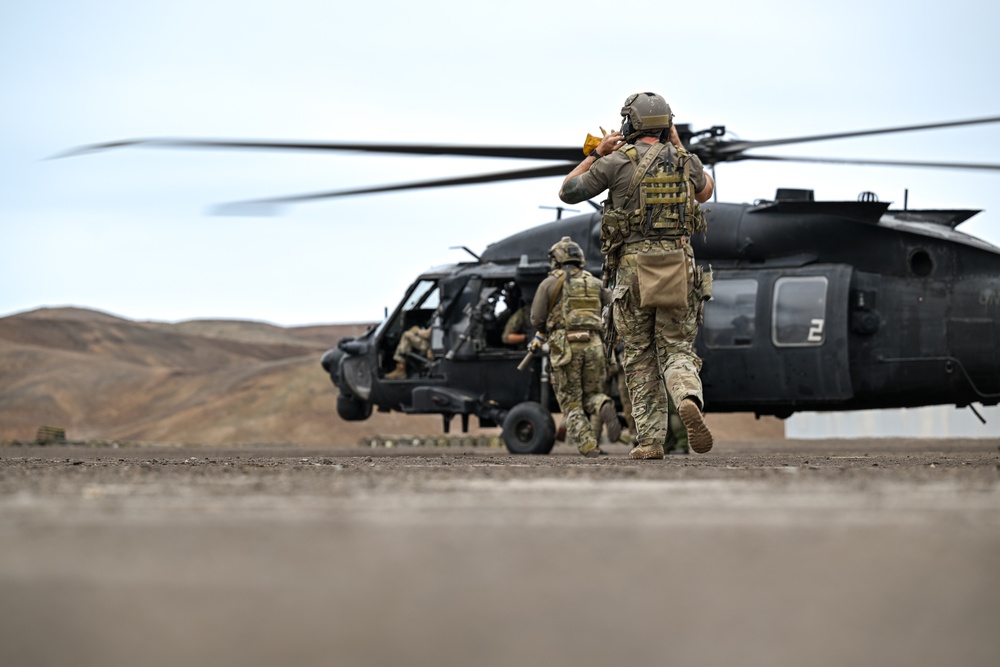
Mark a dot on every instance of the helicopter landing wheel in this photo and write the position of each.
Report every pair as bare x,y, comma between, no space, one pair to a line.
528,429
353,409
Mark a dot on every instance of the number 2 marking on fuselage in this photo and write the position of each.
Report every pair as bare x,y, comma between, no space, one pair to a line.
815,331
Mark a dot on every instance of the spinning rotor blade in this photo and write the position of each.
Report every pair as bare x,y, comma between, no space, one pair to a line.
712,149
519,152
269,206
887,163
722,151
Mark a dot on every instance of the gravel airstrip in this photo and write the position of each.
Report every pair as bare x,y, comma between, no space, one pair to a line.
855,552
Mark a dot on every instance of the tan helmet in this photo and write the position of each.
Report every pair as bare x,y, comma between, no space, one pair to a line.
645,112
566,251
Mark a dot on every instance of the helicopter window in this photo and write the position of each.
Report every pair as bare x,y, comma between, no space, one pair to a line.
418,310
730,317
424,296
921,263
799,318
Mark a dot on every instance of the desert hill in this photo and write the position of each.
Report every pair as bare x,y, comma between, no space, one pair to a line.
102,377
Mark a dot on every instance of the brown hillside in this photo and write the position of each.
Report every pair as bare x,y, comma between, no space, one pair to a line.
102,377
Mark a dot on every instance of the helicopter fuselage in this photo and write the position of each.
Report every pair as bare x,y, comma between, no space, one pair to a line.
817,306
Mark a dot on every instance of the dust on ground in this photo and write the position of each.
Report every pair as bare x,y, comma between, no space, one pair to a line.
759,553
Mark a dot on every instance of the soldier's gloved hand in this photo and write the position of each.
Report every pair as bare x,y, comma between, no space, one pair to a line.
536,343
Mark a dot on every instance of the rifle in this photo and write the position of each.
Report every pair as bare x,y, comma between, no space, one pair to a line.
610,336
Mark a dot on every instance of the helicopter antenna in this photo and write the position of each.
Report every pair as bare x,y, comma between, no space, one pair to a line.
559,210
976,412
462,247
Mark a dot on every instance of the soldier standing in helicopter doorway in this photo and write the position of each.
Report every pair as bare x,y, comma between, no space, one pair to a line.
654,190
566,312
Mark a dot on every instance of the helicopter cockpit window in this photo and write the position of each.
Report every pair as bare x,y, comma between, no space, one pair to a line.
730,317
417,315
417,310
799,318
424,296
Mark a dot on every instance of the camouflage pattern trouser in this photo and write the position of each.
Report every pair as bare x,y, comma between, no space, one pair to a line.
412,341
677,437
625,399
579,386
659,357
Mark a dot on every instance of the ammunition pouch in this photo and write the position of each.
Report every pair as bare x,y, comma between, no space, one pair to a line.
702,290
703,283
697,217
616,225
663,280
663,197
560,351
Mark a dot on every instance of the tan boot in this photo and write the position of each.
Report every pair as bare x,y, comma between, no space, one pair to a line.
398,374
646,452
610,418
699,437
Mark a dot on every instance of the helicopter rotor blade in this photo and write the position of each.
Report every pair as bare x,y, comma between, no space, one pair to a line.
886,163
712,150
271,205
731,151
519,152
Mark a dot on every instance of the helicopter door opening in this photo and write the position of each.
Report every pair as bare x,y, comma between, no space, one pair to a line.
488,304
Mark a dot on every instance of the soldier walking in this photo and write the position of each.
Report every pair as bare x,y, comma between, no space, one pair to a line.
658,292
566,312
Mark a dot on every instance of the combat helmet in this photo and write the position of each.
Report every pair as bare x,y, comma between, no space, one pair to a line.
644,113
566,250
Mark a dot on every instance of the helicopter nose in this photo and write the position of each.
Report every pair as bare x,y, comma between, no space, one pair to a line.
330,359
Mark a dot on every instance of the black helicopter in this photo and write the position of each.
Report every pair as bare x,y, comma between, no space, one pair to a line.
905,314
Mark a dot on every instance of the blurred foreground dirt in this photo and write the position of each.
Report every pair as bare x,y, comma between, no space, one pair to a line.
759,553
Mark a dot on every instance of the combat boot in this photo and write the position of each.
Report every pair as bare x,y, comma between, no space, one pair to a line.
398,374
610,417
699,437
646,452
596,425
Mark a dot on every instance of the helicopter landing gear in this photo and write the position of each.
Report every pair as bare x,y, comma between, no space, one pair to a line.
528,429
353,409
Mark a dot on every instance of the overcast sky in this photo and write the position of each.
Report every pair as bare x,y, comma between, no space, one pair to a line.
126,231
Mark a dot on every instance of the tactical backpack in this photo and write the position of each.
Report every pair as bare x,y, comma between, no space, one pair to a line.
581,301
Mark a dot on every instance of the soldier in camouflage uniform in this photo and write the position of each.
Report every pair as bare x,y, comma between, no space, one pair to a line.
566,312
654,191
415,340
516,327
677,440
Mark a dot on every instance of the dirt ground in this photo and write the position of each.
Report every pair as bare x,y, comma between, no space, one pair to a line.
876,552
